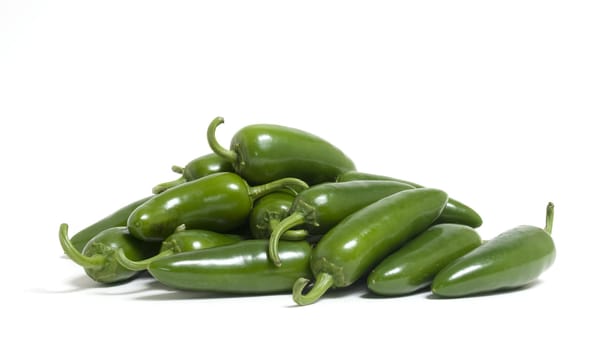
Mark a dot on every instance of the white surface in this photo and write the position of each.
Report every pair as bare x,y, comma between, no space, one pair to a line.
491,103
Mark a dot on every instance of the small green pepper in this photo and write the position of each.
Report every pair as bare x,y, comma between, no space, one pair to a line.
179,242
241,268
510,260
195,169
414,265
363,239
455,211
218,202
262,153
98,255
268,211
321,207
116,219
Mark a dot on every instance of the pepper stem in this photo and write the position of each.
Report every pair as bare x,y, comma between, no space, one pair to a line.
294,185
224,153
296,218
549,218
177,169
76,256
141,264
167,185
324,281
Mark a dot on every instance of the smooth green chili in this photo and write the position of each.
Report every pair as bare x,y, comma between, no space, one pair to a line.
218,202
241,268
262,153
510,260
455,211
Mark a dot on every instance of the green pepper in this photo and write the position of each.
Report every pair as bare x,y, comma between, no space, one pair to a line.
510,260
118,218
268,211
242,267
195,169
98,256
262,152
179,242
323,206
455,211
413,266
359,242
218,202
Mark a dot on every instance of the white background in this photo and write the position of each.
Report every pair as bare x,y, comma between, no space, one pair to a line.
491,102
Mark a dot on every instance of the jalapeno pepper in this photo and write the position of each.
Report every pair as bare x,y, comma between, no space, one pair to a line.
195,169
510,260
268,211
323,206
455,211
414,265
217,202
363,239
179,242
261,153
241,268
98,255
116,219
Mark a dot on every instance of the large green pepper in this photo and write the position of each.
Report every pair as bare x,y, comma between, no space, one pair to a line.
262,153
455,212
219,202
242,267
363,239
195,169
510,260
321,207
98,257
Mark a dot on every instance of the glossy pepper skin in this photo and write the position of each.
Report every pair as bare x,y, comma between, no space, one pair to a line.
363,239
510,260
98,255
321,207
262,153
219,202
116,219
196,169
179,242
455,211
241,268
268,211
413,266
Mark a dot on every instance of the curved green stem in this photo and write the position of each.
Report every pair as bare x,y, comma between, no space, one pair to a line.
76,256
549,217
223,152
141,264
177,169
324,281
293,184
292,220
289,235
167,185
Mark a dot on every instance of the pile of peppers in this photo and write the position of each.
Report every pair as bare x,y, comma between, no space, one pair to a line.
285,211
